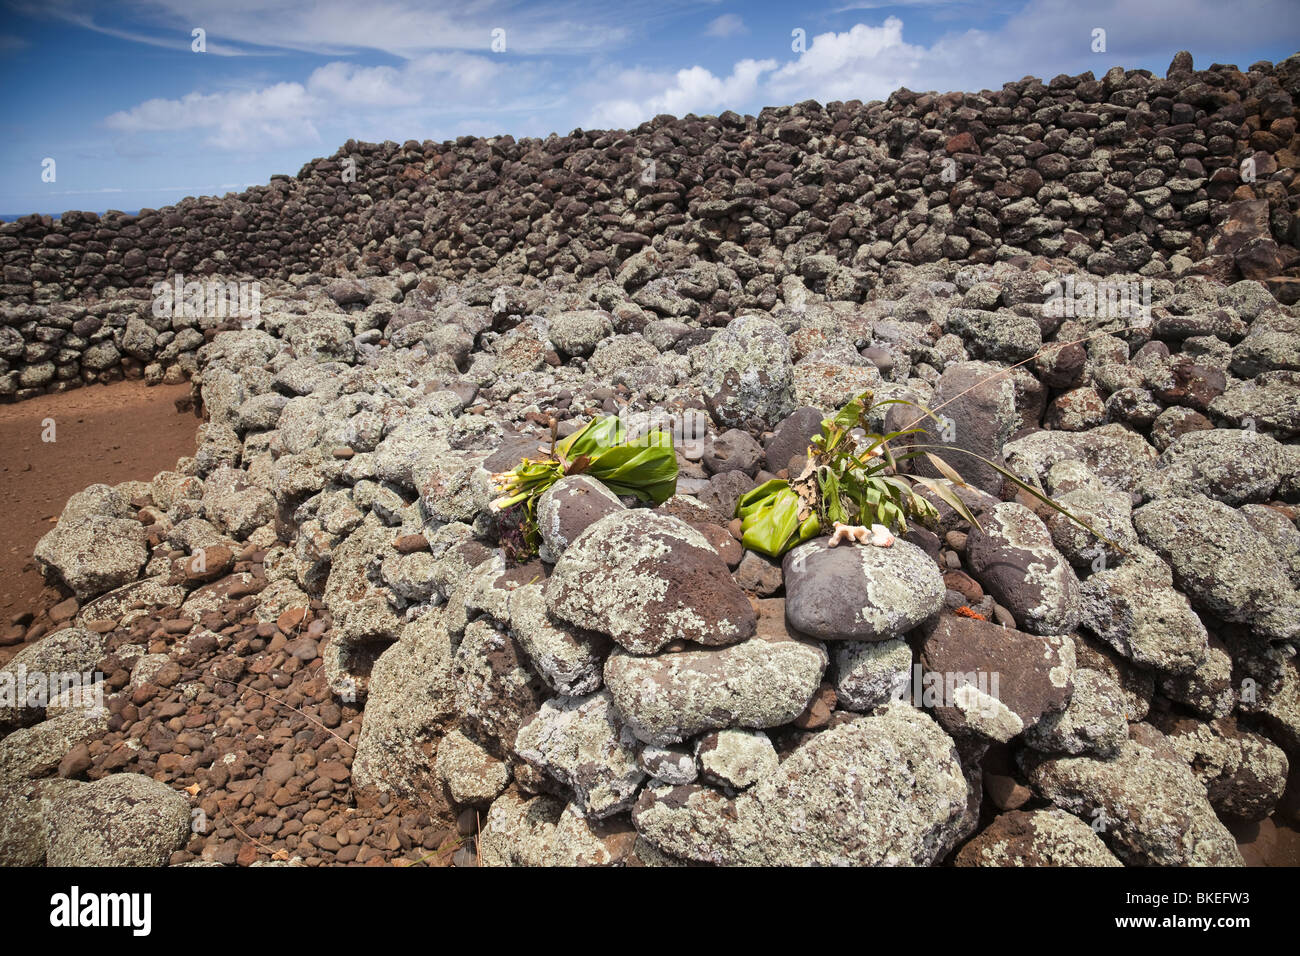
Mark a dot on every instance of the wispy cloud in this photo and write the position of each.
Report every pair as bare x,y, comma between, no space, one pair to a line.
292,113
403,28
727,25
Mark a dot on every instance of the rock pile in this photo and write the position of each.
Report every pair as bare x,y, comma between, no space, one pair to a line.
308,645
1194,172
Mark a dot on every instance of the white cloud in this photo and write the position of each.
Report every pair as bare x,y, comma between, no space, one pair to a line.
727,25
862,63
693,90
347,84
278,115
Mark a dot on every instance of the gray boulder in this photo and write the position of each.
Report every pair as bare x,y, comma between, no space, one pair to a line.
1222,563
582,744
856,592
745,373
762,682
1135,609
1013,556
411,698
1234,466
92,554
121,820
869,674
1146,803
884,790
645,580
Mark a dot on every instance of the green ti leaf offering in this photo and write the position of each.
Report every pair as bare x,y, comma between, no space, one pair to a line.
644,467
852,479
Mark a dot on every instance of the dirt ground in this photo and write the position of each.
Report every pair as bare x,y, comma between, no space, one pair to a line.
103,433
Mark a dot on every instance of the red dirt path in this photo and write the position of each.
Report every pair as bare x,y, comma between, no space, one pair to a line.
104,433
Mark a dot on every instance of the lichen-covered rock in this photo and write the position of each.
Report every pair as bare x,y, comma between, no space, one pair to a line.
1001,336
39,670
1244,773
1013,556
1148,807
880,790
1234,466
870,674
92,553
763,682
24,827
1268,678
234,505
1033,838
1121,458
1109,513
1281,533
1076,410
1094,721
1208,689
825,379
645,580
1269,402
856,592
362,608
735,758
745,373
581,743
569,659
30,753
496,687
1135,609
568,508
580,841
519,831
994,682
411,697
1136,683
125,819
472,776
674,764
1221,563
579,332
454,486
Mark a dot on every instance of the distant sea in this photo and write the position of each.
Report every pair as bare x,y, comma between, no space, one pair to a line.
11,216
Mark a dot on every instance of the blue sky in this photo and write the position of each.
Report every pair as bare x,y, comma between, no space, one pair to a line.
133,117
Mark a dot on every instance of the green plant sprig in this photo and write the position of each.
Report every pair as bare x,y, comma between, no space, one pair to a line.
852,477
644,467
